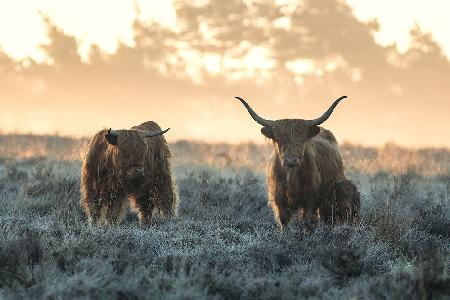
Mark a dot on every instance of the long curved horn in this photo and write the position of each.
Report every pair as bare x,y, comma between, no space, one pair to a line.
327,114
254,115
149,134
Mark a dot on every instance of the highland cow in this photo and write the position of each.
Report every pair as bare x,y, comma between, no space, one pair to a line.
127,166
305,155
339,202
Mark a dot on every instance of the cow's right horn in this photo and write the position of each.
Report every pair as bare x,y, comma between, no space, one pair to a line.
254,115
149,134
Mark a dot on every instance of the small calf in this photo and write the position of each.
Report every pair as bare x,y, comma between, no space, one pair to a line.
339,202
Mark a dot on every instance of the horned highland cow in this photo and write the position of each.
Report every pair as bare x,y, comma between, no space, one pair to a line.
305,155
127,166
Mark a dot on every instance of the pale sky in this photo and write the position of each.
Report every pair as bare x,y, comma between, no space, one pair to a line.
104,22
397,17
81,19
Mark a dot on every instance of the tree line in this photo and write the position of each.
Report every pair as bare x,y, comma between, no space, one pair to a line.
278,53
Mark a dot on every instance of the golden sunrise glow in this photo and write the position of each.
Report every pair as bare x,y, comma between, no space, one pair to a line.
105,23
99,22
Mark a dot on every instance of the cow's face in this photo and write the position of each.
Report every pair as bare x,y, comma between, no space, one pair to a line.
290,138
131,163
130,151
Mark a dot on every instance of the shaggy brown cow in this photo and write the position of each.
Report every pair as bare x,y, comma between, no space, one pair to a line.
339,202
305,155
123,165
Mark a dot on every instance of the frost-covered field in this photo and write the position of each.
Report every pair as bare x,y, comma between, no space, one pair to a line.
224,243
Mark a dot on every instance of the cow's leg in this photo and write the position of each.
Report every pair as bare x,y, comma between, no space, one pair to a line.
311,207
92,209
327,205
283,216
143,205
281,210
163,191
308,211
115,210
91,203
95,211
355,208
327,213
347,210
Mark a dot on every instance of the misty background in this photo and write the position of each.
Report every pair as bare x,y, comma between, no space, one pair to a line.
288,60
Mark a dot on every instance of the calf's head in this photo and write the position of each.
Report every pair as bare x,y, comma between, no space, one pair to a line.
130,150
290,136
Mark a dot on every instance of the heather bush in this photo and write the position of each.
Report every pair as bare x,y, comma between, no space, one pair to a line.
224,243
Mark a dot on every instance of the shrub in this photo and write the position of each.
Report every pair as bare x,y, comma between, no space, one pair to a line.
18,259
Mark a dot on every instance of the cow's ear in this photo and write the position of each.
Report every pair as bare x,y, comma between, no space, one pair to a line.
267,131
313,131
111,138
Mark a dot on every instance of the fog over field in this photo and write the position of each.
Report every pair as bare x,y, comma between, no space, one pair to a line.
224,243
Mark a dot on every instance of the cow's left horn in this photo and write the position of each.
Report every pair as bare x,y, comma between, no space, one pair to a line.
111,136
327,114
113,133
149,134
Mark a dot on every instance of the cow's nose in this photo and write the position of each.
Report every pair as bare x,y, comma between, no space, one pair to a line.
136,172
290,161
140,171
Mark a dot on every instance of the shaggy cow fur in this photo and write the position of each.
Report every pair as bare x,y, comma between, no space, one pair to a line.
340,202
132,169
295,190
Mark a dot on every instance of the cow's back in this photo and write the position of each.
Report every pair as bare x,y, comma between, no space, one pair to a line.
327,135
328,156
157,145
148,126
